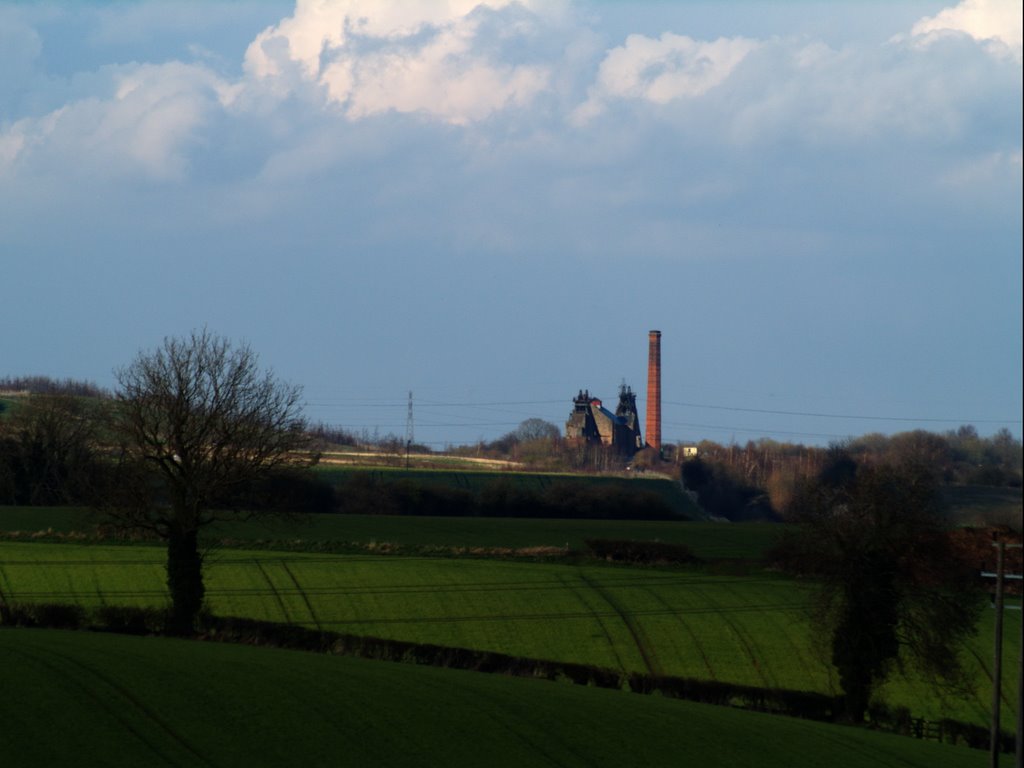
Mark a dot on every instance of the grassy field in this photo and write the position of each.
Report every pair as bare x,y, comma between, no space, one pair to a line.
746,630
476,481
85,699
33,519
707,540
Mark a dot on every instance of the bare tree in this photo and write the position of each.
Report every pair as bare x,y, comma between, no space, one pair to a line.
200,426
536,429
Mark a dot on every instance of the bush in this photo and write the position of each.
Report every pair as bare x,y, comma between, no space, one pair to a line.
50,615
127,620
287,490
412,498
641,552
603,502
723,493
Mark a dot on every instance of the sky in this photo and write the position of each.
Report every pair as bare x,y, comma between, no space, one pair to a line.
490,204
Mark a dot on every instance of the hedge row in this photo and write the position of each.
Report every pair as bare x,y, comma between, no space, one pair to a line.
367,494
640,552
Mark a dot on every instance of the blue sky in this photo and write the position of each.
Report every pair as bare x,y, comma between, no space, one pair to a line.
490,204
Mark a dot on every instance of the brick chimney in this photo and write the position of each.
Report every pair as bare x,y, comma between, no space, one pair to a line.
653,426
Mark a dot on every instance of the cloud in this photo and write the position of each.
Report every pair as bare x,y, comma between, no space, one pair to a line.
412,57
898,92
984,171
991,21
12,143
337,83
20,46
139,126
662,70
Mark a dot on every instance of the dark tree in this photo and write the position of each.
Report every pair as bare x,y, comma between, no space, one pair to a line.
199,427
893,586
48,450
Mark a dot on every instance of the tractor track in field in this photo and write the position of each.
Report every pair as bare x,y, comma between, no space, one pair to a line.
276,594
595,616
501,720
782,630
689,630
3,582
116,712
99,589
302,593
640,639
744,642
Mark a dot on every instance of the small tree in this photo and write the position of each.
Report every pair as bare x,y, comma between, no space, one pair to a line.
200,427
893,586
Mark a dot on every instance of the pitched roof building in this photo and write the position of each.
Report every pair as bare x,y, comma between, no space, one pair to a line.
590,421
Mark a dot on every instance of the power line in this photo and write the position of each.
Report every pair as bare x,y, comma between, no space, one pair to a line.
843,416
734,408
720,428
472,417
398,403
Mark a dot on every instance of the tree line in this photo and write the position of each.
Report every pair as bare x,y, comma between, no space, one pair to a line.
760,480
961,456
49,451
46,385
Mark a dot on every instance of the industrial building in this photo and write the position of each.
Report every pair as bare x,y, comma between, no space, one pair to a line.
591,422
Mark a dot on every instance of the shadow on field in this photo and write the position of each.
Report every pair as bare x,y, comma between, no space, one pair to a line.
801,704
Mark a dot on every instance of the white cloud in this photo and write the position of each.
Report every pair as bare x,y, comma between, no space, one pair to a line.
419,56
321,26
896,94
664,69
998,21
12,143
312,80
141,125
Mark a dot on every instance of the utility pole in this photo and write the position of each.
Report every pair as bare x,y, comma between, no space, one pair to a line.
997,663
408,431
1020,689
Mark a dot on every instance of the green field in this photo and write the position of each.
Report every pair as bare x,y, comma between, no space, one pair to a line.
89,699
707,540
746,630
58,519
476,481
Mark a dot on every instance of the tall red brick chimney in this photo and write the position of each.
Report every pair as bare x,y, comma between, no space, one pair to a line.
653,426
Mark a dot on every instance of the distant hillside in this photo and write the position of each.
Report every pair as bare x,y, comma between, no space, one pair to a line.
457,486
